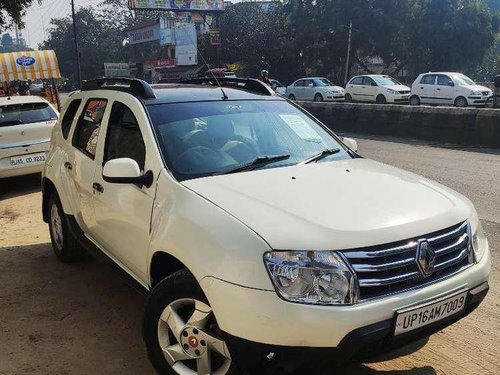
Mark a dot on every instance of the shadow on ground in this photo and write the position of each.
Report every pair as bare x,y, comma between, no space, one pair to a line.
16,186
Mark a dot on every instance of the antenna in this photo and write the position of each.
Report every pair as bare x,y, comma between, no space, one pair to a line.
224,96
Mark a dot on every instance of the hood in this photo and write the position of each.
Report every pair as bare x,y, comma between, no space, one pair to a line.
334,88
334,205
397,87
477,88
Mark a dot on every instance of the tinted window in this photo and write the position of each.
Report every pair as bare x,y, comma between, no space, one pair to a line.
68,117
321,82
27,113
308,83
367,81
444,81
123,138
428,79
357,81
89,125
208,138
299,83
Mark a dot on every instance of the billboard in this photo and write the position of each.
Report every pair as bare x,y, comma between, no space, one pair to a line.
144,34
116,70
186,45
178,5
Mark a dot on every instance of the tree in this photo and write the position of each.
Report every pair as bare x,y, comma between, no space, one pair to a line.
100,37
13,10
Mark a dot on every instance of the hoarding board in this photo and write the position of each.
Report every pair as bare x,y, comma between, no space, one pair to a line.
116,70
186,45
163,63
178,5
144,34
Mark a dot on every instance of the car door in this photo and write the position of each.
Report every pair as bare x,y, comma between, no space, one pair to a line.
308,90
355,88
123,211
369,88
426,88
81,160
444,89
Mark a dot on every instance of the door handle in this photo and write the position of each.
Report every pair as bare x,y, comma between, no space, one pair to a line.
421,88
68,165
438,89
97,187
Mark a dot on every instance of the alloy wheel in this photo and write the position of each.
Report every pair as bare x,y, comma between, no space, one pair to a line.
188,341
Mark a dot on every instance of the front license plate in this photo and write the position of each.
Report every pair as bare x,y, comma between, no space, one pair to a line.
408,320
29,159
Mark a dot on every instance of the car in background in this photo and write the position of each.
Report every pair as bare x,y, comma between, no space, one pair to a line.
317,89
26,124
36,85
448,88
220,72
376,88
278,87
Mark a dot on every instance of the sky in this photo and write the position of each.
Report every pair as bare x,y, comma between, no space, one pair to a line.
38,18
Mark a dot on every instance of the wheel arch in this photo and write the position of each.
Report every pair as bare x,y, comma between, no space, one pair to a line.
48,188
163,264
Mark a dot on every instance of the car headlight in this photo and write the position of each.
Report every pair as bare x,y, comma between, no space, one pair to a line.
313,277
476,93
393,92
479,242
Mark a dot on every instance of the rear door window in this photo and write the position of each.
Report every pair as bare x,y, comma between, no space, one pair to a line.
26,113
88,127
68,117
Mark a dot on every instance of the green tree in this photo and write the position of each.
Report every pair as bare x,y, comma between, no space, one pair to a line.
13,11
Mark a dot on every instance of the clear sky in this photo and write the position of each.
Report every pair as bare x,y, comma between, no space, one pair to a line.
38,17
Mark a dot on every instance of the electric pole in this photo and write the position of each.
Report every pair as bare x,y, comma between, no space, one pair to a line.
77,52
348,54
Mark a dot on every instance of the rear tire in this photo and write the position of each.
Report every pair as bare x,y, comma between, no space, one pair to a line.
291,97
461,102
414,100
65,245
348,98
318,98
381,99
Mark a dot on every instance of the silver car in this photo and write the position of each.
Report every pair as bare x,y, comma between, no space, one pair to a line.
317,89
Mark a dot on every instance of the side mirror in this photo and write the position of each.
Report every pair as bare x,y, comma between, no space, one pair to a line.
351,143
374,84
126,171
450,83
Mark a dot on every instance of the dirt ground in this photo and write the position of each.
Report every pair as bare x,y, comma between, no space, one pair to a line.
86,318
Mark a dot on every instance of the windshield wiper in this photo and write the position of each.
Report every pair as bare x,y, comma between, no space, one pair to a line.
257,162
323,154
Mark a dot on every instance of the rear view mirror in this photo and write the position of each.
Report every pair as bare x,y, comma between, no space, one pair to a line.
126,171
351,143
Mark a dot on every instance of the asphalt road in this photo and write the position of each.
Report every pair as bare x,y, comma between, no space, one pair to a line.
85,318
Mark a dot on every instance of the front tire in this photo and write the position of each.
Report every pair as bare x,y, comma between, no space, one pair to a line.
380,99
180,330
461,102
318,98
414,100
65,245
291,97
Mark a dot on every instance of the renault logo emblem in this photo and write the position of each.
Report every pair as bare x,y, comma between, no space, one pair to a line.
426,258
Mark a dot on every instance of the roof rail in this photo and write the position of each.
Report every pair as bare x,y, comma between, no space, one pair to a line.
248,84
133,86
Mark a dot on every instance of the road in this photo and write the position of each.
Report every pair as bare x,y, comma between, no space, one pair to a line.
85,318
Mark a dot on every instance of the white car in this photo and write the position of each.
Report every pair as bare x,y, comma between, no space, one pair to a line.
376,88
448,88
317,89
278,87
26,123
265,242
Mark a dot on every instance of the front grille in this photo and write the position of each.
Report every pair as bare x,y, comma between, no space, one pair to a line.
392,268
404,92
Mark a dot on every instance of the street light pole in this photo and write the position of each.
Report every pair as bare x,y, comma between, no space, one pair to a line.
348,54
77,52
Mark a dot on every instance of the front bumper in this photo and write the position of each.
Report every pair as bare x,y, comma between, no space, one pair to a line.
361,343
334,98
261,316
7,170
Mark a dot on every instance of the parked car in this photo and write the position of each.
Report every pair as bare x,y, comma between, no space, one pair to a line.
317,89
376,88
265,241
448,88
278,87
26,123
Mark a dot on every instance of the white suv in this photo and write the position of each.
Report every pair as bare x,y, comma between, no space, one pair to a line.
25,126
266,243
448,88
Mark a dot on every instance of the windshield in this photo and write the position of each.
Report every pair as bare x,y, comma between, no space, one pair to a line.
322,82
386,81
17,114
463,80
208,138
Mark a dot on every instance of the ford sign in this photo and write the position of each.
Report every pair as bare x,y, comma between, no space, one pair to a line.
25,60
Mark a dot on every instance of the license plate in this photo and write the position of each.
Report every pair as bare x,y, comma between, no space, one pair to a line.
420,316
29,159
